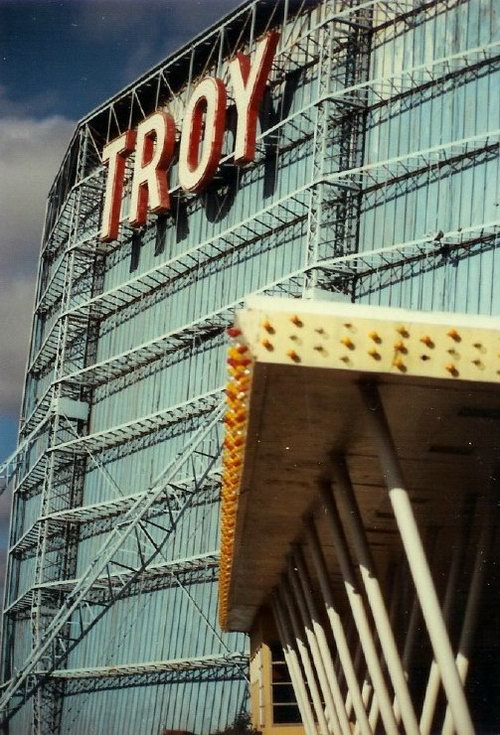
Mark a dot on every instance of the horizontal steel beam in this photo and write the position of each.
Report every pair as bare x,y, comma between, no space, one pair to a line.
192,570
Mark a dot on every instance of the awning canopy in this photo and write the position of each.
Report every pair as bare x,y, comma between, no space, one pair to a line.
308,371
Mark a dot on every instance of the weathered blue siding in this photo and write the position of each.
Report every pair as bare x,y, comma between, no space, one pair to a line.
424,156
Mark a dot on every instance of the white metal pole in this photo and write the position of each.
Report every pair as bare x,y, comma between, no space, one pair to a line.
374,712
330,709
472,609
351,633
374,709
366,689
434,680
358,611
417,561
294,669
360,666
324,649
409,644
307,665
352,517
339,635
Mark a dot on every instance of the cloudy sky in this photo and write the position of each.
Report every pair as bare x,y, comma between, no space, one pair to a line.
58,60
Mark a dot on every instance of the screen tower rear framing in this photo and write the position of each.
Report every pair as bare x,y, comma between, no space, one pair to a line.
110,608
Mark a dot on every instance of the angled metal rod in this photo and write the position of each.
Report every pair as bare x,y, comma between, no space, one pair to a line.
417,560
300,574
352,517
374,712
434,679
407,650
294,669
409,645
374,709
305,625
472,607
359,669
352,640
358,611
298,632
157,548
367,690
338,632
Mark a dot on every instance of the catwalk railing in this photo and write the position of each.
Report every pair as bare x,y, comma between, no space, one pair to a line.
97,518
333,271
225,667
192,570
284,213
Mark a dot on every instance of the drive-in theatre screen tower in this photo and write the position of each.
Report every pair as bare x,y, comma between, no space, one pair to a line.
333,150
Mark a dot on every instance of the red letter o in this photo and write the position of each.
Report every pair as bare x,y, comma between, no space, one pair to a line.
202,134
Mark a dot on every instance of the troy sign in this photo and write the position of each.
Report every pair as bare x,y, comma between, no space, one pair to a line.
200,148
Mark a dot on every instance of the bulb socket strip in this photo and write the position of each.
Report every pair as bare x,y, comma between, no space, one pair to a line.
240,363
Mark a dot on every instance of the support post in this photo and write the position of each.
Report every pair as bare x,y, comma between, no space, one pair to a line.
322,643
358,611
409,644
374,712
344,490
298,634
417,561
292,662
330,709
434,680
337,627
471,610
360,666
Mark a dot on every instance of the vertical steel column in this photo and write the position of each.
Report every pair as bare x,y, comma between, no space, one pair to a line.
472,608
294,669
304,585
417,560
338,631
298,633
359,613
330,709
368,572
411,633
46,713
324,39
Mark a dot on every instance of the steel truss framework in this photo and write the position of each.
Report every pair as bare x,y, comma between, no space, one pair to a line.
109,572
332,691
159,576
55,446
206,668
